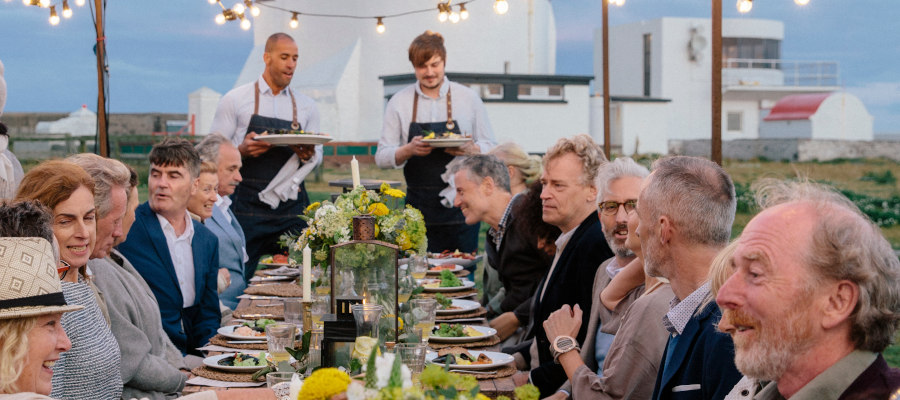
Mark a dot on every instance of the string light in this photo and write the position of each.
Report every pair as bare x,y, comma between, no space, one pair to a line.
454,17
220,19
79,3
245,23
501,6
238,8
213,1
254,10
744,6
44,3
619,3
463,13
801,2
294,21
379,27
443,14
54,19
67,12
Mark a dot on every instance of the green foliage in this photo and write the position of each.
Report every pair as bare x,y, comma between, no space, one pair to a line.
371,378
527,392
396,379
884,212
883,178
746,204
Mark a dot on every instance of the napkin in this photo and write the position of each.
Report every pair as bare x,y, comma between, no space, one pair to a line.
201,381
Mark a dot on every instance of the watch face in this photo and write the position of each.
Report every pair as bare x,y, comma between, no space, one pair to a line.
563,344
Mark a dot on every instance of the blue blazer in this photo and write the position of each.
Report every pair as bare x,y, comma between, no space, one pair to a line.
702,364
231,253
147,250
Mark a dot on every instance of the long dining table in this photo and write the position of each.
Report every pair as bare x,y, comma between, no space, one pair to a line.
489,387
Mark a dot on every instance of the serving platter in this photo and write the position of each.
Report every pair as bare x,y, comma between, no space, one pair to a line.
450,142
292,139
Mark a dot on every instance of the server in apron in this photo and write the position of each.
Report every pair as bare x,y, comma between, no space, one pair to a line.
433,104
265,208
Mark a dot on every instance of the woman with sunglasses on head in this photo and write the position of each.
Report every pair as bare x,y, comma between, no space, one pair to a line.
91,369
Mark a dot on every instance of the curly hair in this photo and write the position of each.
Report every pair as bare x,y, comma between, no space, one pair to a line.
13,350
585,149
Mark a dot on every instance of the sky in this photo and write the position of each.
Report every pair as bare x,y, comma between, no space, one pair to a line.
161,50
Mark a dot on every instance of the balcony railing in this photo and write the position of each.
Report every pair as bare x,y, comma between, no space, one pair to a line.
795,73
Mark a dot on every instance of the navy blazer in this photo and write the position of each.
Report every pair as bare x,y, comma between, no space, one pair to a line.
231,253
572,282
702,364
148,251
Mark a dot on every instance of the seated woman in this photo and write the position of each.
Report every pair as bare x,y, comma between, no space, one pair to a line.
91,369
201,203
633,358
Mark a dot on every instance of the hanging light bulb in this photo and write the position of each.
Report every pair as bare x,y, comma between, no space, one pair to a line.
44,3
67,12
442,14
744,6
619,3
26,2
79,3
245,24
254,10
801,2
379,26
238,8
220,19
454,17
54,19
463,13
294,21
501,6
213,1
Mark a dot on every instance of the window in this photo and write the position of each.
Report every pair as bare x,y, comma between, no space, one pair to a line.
753,49
735,121
492,91
540,92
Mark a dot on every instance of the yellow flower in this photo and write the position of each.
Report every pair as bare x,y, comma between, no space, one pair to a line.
396,193
378,209
324,383
384,187
312,207
403,241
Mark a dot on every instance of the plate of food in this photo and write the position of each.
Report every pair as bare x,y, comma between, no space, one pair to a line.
454,306
446,139
436,270
454,257
469,359
248,330
282,271
237,362
459,333
294,137
448,282
277,260
270,278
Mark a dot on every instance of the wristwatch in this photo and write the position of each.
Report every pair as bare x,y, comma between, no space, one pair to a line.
562,344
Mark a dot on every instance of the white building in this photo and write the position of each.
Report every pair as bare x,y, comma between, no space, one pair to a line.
660,80
835,116
82,122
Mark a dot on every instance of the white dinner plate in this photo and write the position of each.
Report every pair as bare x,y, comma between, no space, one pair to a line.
485,331
454,260
464,306
456,268
289,139
213,362
467,284
497,360
282,271
270,278
275,264
454,142
228,331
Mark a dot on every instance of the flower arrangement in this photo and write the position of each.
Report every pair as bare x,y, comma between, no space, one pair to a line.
324,383
330,223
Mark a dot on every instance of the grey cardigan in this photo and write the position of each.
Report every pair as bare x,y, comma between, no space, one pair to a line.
150,362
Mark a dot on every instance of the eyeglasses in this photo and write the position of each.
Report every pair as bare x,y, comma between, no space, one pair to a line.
612,207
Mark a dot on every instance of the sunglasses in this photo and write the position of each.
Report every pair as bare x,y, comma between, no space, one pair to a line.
62,269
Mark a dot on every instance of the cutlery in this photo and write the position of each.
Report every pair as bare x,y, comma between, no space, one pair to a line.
467,371
271,316
245,341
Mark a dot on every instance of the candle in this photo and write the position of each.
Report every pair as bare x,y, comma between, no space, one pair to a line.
307,273
354,171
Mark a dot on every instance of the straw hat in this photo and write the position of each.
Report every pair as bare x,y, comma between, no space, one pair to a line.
29,284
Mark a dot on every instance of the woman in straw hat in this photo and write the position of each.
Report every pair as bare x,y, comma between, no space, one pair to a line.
92,368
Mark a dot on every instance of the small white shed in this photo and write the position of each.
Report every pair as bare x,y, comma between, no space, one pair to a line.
833,115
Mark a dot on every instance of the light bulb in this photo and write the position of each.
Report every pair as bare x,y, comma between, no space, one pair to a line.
254,11
245,24
454,17
44,3
79,3
213,1
54,19
463,13
501,6
294,21
442,16
238,8
67,12
26,2
744,6
619,3
220,18
379,27
801,2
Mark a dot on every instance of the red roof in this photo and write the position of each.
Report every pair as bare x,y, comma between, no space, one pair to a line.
796,106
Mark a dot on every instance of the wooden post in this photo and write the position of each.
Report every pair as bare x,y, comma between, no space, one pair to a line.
716,98
102,138
606,135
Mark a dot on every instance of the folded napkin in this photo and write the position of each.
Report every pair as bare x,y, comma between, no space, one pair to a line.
285,184
201,381
448,195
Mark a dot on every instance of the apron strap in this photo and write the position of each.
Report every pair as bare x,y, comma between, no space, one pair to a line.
294,123
450,123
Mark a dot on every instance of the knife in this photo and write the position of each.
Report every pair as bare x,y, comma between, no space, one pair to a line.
245,341
245,316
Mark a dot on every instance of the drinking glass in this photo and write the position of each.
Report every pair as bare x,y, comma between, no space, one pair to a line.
320,307
418,266
280,383
367,317
293,312
423,312
413,355
279,336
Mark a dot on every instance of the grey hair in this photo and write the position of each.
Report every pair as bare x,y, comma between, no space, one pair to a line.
585,149
619,168
482,166
26,218
107,174
846,245
512,154
696,194
209,147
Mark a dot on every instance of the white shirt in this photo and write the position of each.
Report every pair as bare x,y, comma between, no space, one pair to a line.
467,108
182,256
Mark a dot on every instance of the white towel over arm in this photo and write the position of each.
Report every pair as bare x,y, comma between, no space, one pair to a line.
285,184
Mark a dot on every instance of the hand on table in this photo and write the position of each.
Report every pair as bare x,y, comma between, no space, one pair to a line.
505,324
253,148
520,378
467,149
565,321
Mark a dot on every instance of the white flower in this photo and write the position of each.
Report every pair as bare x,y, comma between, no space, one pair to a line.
383,365
357,391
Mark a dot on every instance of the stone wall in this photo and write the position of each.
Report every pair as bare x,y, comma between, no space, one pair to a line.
790,149
119,124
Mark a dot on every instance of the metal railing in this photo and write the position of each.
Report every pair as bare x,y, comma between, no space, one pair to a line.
796,73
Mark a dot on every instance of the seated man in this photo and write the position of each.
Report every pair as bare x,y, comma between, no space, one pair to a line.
178,257
814,299
482,193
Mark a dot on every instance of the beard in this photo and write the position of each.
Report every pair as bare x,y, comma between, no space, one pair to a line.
653,261
773,346
618,249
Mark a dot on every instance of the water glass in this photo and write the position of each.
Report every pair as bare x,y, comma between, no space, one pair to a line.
279,336
418,266
280,383
367,317
423,313
320,307
293,312
413,355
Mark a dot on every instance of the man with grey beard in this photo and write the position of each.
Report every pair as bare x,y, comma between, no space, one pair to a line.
813,300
